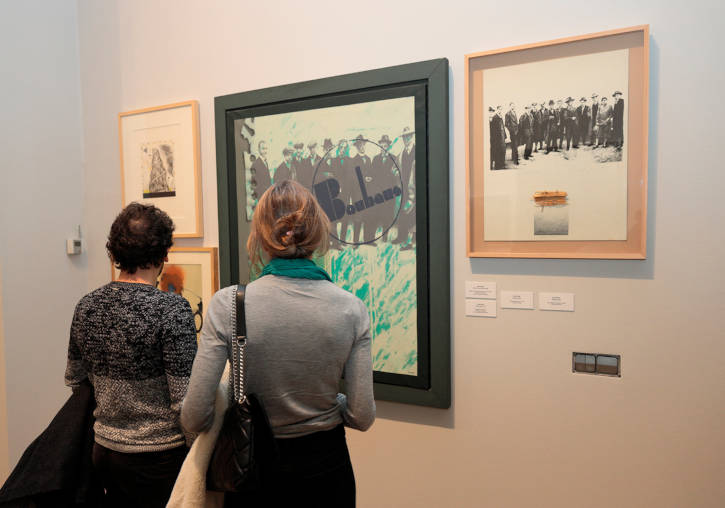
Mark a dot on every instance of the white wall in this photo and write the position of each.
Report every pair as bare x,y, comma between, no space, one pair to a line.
4,462
523,431
41,204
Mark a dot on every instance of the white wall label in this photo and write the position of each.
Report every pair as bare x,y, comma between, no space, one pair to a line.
517,299
480,289
556,301
480,308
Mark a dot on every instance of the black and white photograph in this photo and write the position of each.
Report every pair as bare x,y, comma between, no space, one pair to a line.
589,128
555,156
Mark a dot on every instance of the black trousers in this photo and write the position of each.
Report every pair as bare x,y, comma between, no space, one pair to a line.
552,139
515,148
314,471
570,135
137,479
499,156
528,145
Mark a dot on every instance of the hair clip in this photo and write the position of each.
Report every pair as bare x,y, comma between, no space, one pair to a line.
288,233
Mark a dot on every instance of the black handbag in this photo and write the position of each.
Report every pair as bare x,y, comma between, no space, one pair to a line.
245,449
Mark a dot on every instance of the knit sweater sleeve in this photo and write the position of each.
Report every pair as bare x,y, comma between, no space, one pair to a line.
75,371
358,404
179,350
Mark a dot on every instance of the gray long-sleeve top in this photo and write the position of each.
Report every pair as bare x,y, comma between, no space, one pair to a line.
303,336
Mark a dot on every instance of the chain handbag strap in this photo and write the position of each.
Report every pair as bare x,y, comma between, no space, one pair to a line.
239,344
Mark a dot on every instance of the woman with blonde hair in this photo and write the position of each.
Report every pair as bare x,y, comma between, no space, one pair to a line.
303,335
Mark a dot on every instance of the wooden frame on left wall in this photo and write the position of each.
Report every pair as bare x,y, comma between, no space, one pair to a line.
160,162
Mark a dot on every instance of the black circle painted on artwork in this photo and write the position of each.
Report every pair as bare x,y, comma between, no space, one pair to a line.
400,179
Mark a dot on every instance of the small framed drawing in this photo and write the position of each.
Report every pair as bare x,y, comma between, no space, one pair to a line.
192,272
373,148
556,148
160,162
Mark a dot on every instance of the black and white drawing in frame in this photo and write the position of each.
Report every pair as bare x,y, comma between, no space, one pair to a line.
157,167
554,149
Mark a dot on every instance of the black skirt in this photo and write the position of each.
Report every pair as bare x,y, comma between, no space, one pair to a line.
313,471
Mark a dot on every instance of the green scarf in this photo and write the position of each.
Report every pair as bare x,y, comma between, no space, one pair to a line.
300,268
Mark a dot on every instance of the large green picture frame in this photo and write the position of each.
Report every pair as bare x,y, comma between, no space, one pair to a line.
420,87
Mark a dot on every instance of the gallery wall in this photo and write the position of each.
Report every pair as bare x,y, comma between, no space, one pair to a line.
4,455
41,204
522,430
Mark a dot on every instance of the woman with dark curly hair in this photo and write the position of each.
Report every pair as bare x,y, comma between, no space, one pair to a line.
303,333
135,344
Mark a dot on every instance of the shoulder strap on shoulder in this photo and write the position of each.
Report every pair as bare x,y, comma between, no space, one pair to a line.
239,342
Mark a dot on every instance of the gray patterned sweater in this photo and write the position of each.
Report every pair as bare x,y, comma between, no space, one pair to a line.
136,344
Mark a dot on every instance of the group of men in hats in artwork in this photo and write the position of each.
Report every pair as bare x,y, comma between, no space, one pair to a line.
555,124
293,167
376,174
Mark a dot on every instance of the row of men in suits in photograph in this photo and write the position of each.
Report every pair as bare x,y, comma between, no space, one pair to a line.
376,174
554,125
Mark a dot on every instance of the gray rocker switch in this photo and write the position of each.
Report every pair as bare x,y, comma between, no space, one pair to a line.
595,363
584,362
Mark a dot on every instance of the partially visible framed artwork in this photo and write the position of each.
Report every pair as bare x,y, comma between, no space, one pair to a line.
160,162
192,272
373,148
556,148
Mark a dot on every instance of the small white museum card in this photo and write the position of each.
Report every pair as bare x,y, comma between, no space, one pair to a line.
480,308
517,299
556,301
476,289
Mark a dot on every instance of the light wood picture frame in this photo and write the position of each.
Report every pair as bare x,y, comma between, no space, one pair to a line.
160,162
192,272
578,188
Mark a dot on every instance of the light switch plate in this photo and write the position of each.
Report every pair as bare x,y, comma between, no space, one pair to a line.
73,246
597,363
